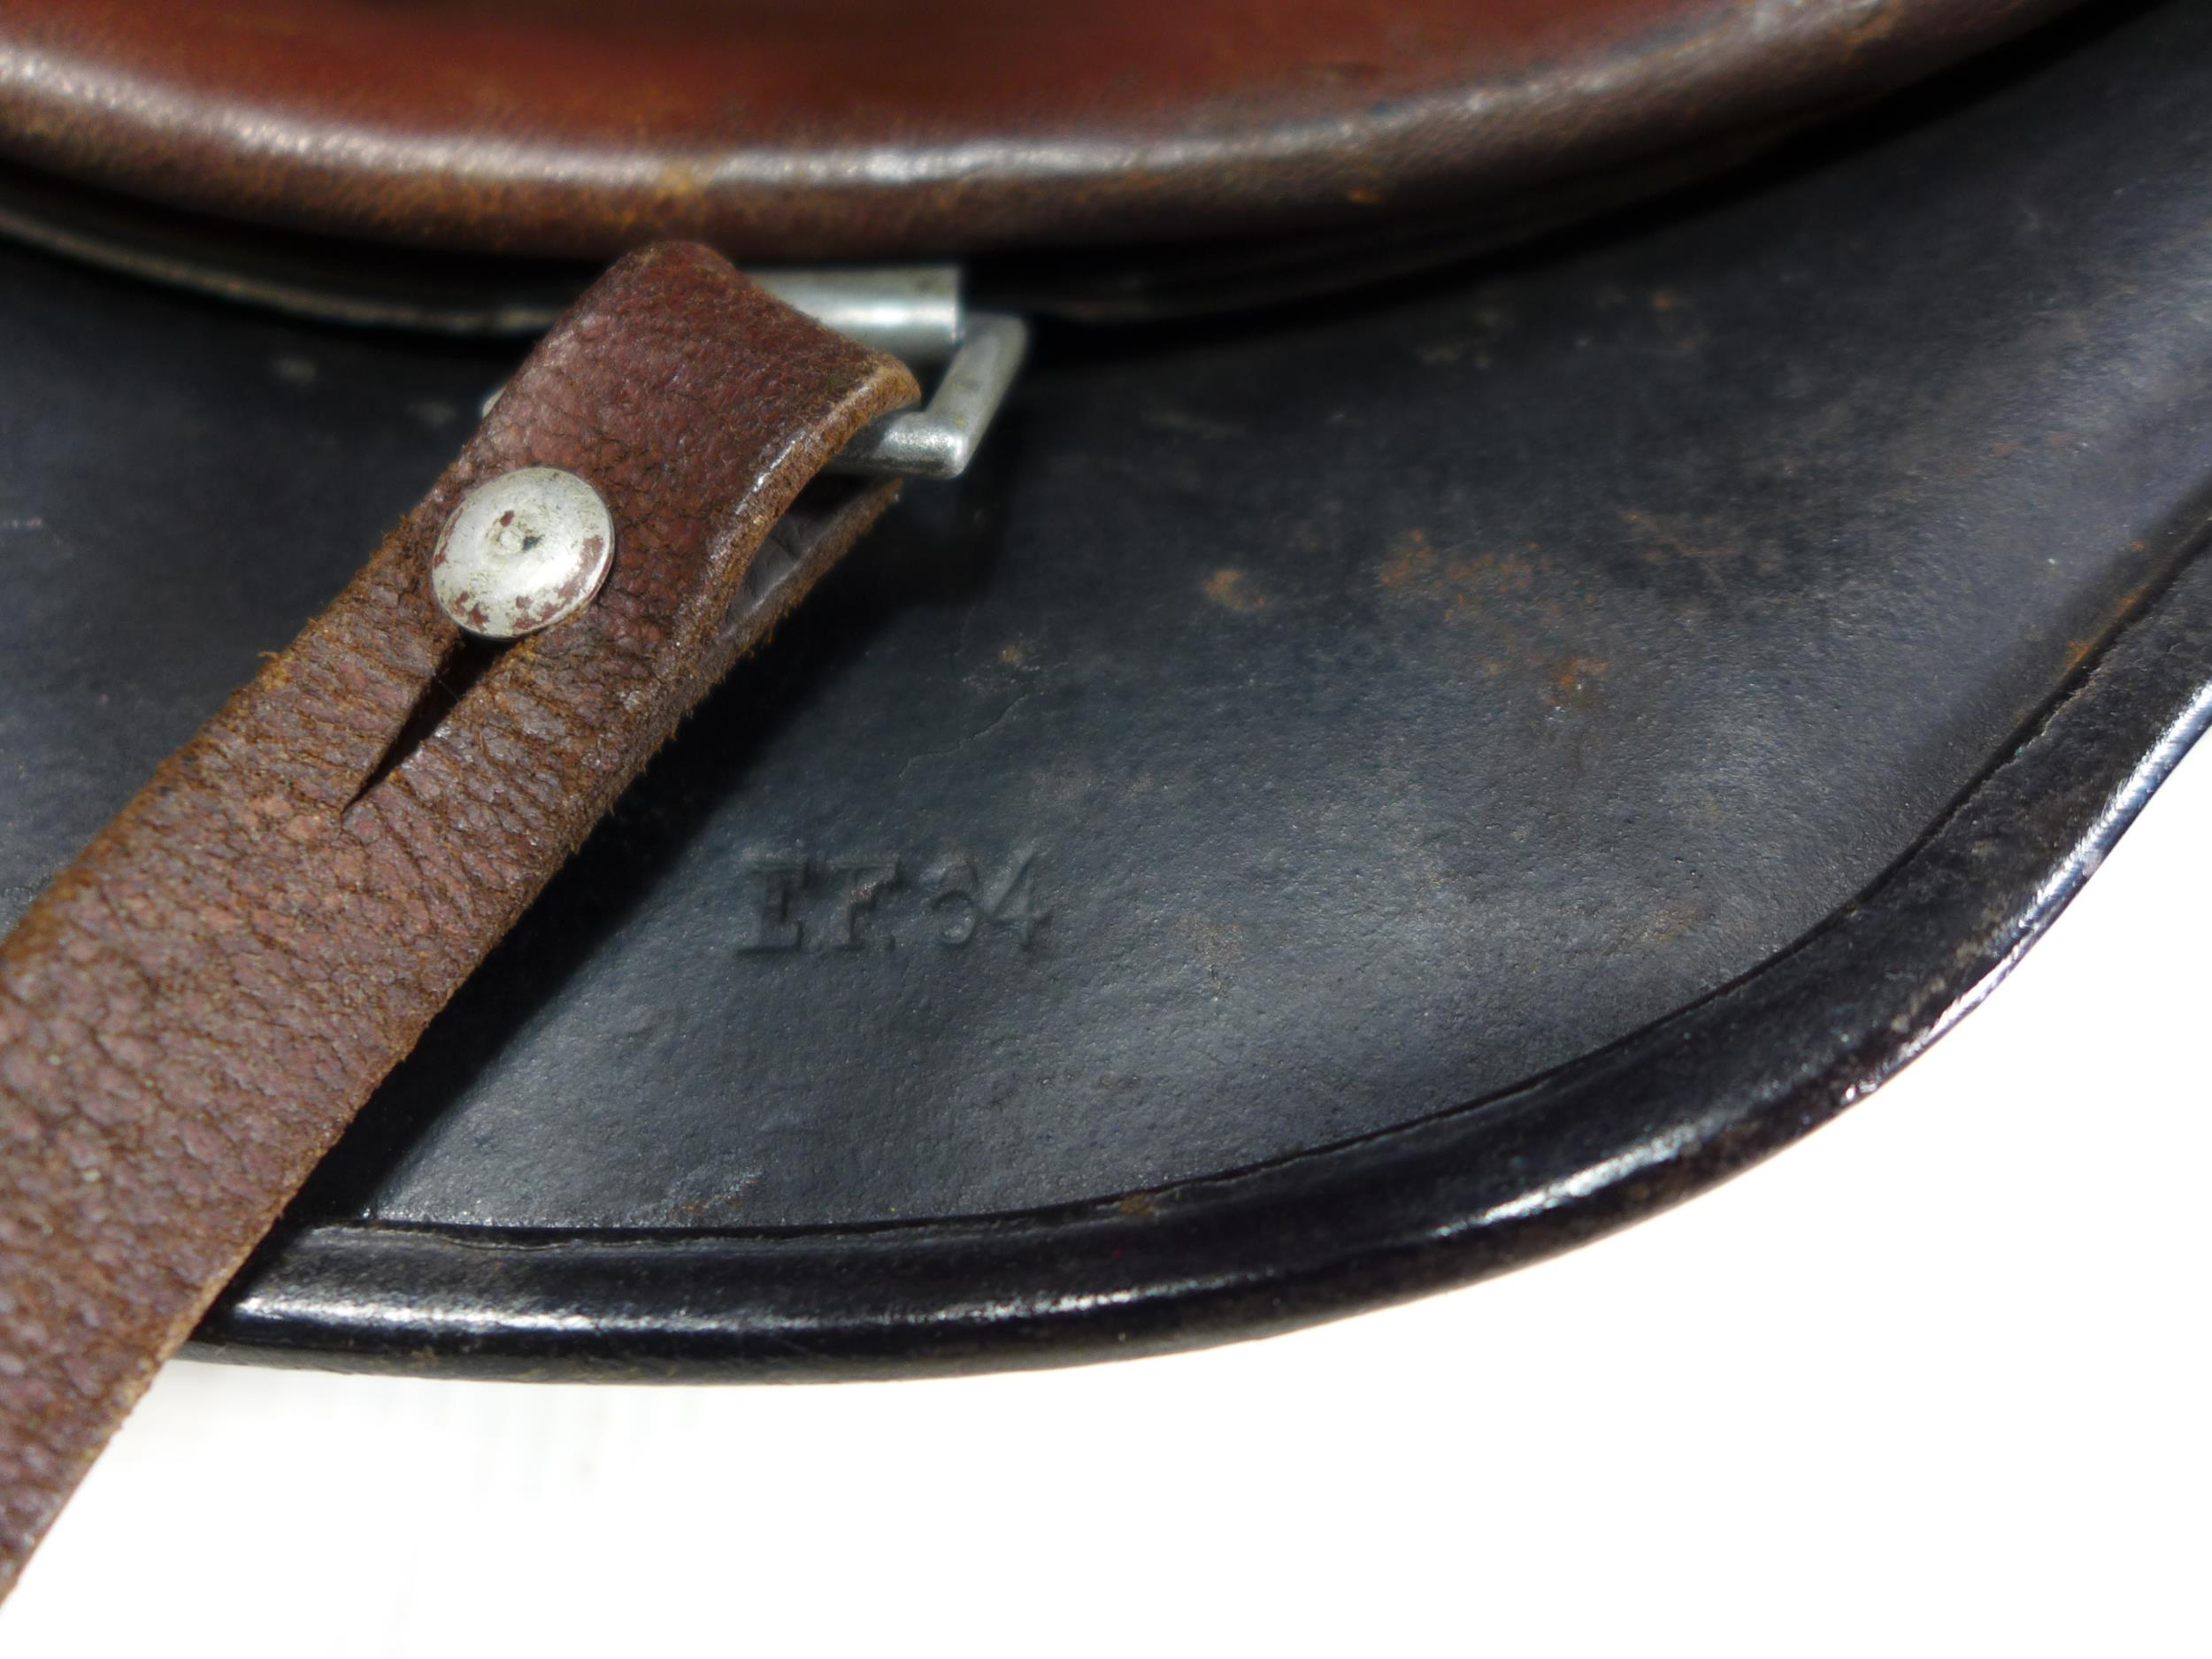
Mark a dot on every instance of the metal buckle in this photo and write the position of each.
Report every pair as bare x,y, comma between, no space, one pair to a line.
940,438
915,313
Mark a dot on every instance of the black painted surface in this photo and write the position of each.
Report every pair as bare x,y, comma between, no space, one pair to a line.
1386,705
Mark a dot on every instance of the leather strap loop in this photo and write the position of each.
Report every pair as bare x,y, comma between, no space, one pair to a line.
197,1007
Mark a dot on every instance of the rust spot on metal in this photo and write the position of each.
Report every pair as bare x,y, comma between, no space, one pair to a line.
1410,556
1463,584
2080,650
1232,590
512,569
1671,537
1577,673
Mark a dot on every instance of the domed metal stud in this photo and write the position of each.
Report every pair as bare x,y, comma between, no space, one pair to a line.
522,552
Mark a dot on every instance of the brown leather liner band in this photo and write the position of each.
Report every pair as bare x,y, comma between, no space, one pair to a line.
196,1008
844,129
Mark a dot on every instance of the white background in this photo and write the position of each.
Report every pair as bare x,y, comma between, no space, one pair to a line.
1934,1381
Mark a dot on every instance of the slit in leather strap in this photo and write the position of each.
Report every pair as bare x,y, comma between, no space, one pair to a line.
194,1010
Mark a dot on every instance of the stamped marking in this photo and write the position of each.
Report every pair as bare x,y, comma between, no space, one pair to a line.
879,901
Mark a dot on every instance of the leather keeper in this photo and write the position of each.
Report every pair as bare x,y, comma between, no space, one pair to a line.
198,1005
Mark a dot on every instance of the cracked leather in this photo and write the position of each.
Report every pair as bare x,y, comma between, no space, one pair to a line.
199,1003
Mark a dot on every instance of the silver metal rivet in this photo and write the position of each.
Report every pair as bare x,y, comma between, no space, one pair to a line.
525,551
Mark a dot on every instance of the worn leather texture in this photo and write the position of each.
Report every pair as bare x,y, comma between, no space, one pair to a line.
875,128
198,1005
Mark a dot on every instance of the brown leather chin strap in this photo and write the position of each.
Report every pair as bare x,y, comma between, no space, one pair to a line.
198,1006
